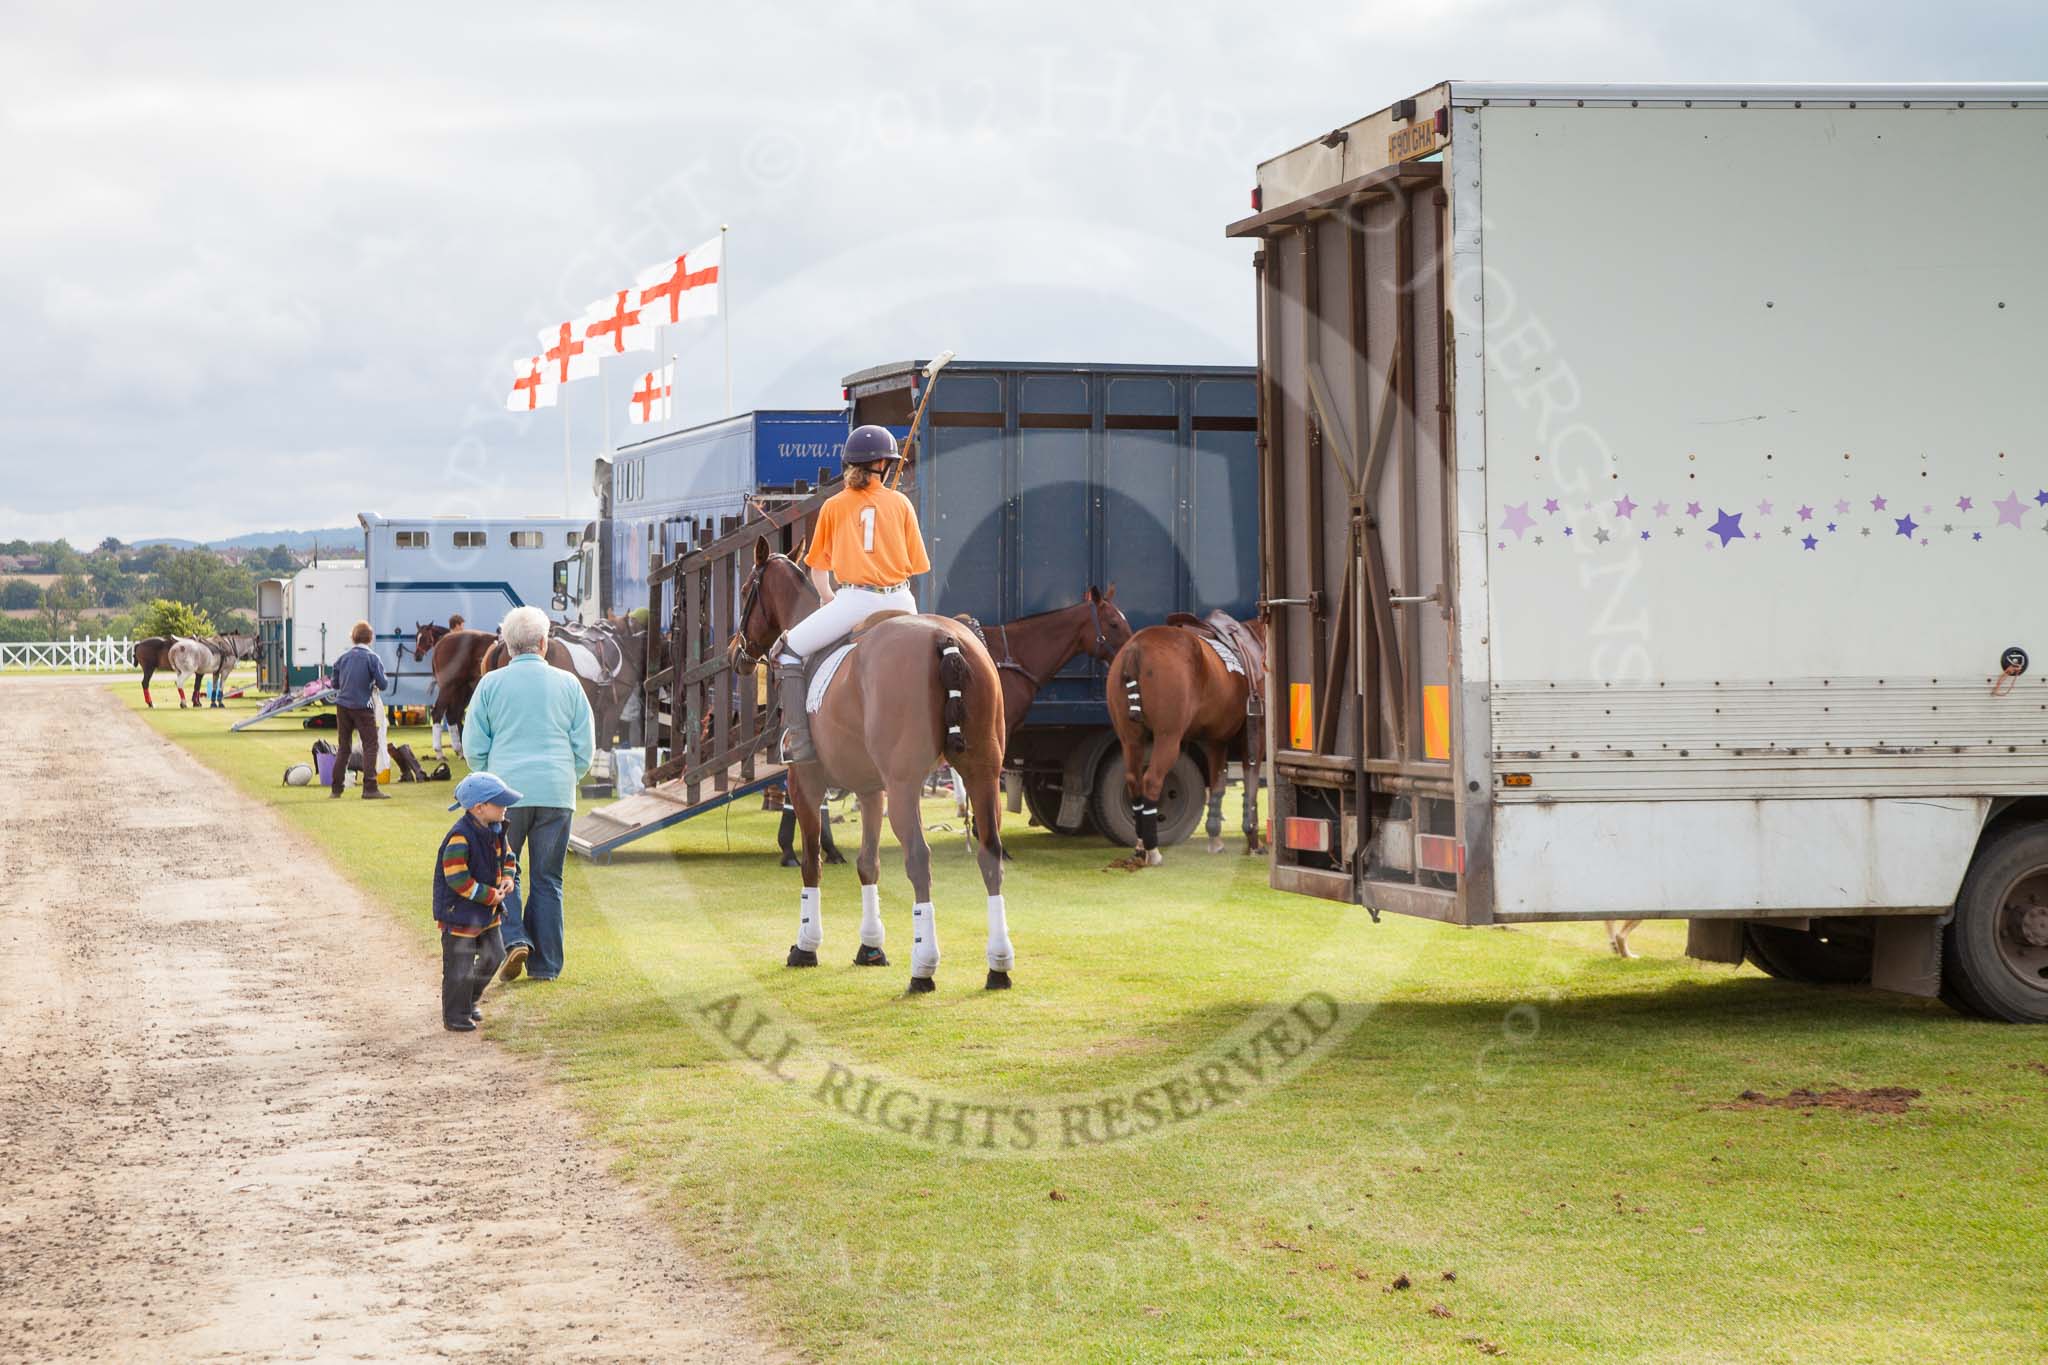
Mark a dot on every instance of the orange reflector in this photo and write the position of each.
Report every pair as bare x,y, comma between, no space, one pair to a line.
1436,721
1301,710
1306,835
1517,780
1439,853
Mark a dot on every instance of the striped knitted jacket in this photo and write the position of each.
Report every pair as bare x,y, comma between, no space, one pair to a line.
473,857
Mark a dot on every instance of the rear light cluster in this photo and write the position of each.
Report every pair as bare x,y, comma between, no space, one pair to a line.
1305,835
1258,200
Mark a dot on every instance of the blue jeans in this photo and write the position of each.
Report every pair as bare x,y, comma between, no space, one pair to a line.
539,836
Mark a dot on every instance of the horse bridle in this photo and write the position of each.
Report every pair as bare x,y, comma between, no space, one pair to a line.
740,652
1009,661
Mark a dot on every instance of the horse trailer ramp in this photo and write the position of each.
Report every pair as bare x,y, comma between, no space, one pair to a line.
596,833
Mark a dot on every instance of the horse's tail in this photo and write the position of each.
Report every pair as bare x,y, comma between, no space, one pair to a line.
1127,682
955,678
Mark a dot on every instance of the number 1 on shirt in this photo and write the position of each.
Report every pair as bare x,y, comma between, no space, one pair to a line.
867,528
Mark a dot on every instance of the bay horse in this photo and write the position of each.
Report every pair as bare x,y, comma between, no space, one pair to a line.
150,655
1031,649
916,691
609,659
457,661
1169,687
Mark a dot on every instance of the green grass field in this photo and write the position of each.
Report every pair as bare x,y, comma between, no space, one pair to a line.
1515,1108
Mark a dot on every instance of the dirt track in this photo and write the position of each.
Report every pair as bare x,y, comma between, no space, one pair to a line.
230,1124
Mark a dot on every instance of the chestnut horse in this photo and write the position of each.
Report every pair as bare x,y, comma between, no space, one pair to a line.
916,691
1168,685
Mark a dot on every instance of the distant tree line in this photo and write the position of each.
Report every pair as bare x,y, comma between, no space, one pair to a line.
142,585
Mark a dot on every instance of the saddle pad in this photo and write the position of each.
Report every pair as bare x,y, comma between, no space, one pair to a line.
1225,653
822,679
585,661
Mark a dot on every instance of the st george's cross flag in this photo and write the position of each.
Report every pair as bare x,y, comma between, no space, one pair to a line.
531,386
686,287
613,326
653,396
565,355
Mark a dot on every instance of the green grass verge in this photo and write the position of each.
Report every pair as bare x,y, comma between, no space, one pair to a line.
1518,1108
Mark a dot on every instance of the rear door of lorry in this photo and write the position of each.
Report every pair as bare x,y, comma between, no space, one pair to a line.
1356,488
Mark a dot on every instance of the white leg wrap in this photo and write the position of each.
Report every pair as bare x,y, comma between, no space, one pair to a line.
1001,957
871,916
924,947
810,927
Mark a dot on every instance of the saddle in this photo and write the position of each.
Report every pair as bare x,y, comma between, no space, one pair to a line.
603,645
1246,643
826,661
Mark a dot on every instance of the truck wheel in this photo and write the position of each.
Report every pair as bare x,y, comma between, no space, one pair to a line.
1994,959
1834,953
1180,803
1042,799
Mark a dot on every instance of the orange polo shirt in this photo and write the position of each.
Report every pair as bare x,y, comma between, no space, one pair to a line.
868,538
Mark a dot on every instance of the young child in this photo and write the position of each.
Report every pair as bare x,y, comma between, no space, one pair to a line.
473,873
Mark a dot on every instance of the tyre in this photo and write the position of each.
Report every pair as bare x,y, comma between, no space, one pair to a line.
1042,799
1181,802
1834,953
1994,958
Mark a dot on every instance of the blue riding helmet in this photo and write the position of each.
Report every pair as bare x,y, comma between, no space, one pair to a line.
868,444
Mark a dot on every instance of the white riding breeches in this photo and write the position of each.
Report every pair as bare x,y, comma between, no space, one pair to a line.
836,619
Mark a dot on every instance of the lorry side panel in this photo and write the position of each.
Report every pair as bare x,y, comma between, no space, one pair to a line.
1766,496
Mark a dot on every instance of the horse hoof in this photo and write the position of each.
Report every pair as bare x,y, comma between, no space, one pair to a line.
997,981
789,860
801,957
1153,857
870,957
835,858
1215,845
921,985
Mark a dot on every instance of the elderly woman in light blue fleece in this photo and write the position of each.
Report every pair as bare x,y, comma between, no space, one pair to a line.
530,726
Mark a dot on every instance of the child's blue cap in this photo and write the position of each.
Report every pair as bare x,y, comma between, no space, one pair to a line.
478,788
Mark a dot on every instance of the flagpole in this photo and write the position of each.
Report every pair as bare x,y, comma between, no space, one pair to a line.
725,312
568,459
610,451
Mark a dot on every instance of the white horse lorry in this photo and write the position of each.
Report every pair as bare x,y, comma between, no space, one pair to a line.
1655,499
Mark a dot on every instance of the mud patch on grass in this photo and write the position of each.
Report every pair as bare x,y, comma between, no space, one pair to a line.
1883,1099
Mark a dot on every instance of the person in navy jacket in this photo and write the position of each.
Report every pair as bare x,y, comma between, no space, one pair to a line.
474,872
358,676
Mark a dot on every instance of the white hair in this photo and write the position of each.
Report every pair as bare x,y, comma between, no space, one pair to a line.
525,630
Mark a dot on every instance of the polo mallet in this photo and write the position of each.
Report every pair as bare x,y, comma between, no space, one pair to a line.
931,375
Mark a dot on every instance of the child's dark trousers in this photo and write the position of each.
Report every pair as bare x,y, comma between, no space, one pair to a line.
467,963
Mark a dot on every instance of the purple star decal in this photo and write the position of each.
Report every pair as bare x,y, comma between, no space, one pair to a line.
1905,525
1805,513
1500,544
1976,535
1877,503
1692,509
1808,541
1661,508
1831,526
1763,509
1550,505
2009,509
1518,519
1624,506
1728,526
1646,535
1962,504
1841,507
1926,509
2041,498
1567,530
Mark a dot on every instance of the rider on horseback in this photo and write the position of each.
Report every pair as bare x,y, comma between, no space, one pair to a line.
868,539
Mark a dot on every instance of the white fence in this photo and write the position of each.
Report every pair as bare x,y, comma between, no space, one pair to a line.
77,656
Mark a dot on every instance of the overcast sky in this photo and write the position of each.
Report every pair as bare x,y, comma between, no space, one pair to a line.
269,266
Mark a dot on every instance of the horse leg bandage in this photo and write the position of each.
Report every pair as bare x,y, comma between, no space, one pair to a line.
871,916
1001,957
924,946
1148,823
810,927
1215,821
